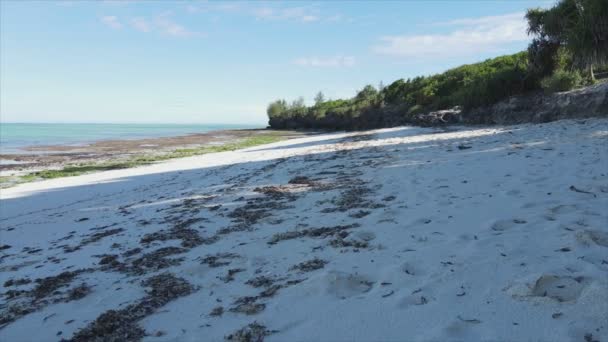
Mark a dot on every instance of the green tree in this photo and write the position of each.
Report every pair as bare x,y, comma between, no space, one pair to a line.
319,98
298,103
368,93
276,108
581,26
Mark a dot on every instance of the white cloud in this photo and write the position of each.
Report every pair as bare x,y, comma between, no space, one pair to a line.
268,11
302,14
335,18
486,21
194,9
207,6
171,28
118,2
66,3
141,25
163,24
328,62
111,21
470,36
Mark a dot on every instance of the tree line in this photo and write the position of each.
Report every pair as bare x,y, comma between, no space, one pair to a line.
570,42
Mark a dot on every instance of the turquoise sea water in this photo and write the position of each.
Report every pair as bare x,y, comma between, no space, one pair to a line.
14,136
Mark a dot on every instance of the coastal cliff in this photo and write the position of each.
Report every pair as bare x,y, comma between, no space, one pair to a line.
534,108
581,103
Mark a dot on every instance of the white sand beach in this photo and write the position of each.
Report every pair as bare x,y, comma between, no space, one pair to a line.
396,234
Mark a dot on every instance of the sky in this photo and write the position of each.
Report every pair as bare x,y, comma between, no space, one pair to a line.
223,62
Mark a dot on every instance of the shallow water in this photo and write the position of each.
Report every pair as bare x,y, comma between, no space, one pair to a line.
15,136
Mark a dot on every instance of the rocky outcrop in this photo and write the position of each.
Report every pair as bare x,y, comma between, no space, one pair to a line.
538,108
438,118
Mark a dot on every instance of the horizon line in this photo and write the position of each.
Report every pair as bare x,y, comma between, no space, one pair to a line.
129,123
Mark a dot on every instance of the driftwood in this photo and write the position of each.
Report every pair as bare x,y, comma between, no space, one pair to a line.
438,118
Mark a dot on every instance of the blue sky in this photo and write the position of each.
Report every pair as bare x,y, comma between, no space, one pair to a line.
223,62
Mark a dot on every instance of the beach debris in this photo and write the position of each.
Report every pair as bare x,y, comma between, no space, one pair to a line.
217,311
219,259
359,214
276,192
589,338
310,265
155,261
355,197
253,332
230,274
17,282
301,180
322,232
340,242
47,291
132,252
470,320
248,305
49,285
261,281
122,325
388,294
422,301
100,234
110,259
270,291
78,292
573,188
180,231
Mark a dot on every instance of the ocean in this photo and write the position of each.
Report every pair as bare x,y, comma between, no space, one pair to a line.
15,136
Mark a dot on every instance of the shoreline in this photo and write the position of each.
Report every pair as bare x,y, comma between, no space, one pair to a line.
40,158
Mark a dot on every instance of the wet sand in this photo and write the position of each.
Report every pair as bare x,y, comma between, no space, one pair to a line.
54,156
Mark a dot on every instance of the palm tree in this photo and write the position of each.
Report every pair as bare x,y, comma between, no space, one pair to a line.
579,25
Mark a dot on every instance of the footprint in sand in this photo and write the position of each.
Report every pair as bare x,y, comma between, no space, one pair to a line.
411,269
561,288
514,192
592,237
343,285
502,225
460,329
420,221
555,287
365,235
563,209
417,297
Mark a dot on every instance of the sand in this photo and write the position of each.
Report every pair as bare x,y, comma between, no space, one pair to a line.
397,234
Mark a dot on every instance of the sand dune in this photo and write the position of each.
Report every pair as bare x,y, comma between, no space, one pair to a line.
398,234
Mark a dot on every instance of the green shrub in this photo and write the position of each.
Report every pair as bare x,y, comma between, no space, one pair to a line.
561,81
468,86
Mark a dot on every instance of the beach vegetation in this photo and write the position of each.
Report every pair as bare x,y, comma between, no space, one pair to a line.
468,85
140,160
319,98
580,26
570,41
561,80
